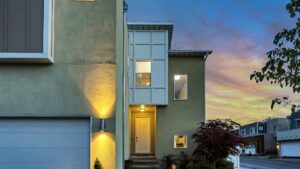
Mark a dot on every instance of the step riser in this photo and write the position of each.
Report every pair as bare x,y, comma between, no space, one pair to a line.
144,162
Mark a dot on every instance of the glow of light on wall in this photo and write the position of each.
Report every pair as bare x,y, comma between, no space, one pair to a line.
100,89
103,148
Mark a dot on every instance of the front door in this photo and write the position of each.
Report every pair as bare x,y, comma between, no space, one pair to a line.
142,135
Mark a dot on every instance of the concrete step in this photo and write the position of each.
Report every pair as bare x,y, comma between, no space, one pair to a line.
142,157
145,166
144,162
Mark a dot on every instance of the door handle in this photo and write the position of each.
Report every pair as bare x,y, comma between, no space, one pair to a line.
136,139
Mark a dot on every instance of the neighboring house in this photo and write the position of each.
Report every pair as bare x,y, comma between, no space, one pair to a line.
76,85
61,71
289,141
261,136
166,94
295,120
254,135
276,125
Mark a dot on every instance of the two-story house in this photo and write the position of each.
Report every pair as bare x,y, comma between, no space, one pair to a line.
78,83
166,92
261,136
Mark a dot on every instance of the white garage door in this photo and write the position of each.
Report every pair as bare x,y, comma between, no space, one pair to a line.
44,143
291,149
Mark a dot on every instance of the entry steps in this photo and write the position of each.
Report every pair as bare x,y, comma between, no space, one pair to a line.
144,162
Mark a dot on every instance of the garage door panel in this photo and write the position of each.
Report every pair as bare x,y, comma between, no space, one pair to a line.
290,149
42,155
43,125
43,139
45,143
44,166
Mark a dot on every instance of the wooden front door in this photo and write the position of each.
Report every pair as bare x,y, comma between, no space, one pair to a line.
142,135
142,130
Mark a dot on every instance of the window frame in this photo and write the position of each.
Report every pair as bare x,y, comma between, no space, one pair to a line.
185,145
187,96
135,74
243,132
252,130
47,55
296,120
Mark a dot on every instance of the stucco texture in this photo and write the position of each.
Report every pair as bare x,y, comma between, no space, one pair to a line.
81,82
82,79
181,117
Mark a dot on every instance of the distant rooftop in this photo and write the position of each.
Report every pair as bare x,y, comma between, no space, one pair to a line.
153,26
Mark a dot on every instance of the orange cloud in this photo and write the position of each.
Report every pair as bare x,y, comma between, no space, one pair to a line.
231,94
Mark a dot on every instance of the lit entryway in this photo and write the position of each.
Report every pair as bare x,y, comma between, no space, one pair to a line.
44,143
142,129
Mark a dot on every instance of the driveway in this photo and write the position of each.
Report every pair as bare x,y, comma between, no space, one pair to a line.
265,163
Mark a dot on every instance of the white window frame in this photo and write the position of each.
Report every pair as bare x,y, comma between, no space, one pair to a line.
187,94
46,55
135,73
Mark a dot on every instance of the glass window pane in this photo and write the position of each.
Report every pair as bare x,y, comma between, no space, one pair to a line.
298,123
180,87
143,73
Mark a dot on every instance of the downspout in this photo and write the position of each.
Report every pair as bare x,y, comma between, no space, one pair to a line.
125,7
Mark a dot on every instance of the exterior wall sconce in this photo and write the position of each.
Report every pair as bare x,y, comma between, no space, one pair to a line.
142,108
102,125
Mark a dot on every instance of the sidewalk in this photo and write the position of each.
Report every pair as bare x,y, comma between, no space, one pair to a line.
277,158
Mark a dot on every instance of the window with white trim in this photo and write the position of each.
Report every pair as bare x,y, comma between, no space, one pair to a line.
180,87
143,73
25,29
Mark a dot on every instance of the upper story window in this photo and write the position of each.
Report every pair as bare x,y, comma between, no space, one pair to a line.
143,73
180,87
25,30
298,123
252,130
275,128
243,132
260,128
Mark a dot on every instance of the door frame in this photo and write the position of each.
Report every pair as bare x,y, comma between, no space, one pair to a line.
149,112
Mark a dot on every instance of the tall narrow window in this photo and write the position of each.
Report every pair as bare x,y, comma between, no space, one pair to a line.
180,87
143,73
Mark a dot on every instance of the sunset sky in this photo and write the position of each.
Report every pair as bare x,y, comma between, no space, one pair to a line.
239,32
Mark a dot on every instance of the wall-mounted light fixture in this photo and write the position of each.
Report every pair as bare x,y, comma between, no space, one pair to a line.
102,125
142,108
